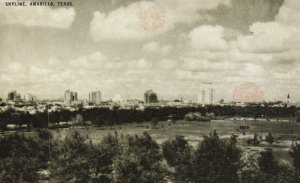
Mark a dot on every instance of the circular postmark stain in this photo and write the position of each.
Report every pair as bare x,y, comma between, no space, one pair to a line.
152,18
248,92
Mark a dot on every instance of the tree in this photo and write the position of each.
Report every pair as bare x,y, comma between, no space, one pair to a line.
140,161
19,169
178,154
252,172
249,171
154,122
270,139
102,156
216,160
295,153
21,158
253,141
79,119
70,160
297,116
267,162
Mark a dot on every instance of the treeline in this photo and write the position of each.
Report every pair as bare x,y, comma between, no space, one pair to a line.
106,116
138,158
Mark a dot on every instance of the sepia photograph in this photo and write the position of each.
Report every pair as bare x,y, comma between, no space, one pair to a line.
149,91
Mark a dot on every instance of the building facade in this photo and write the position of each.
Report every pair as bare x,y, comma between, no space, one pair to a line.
95,97
70,96
206,94
150,97
13,96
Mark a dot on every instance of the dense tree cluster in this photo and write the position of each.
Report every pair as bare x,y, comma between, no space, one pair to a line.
23,158
106,116
138,158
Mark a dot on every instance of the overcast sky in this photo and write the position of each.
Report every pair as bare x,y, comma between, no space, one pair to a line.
123,47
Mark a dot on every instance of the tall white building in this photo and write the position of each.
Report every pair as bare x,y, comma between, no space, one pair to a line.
95,97
206,94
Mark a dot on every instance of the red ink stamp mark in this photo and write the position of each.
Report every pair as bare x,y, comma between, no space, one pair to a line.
248,92
152,19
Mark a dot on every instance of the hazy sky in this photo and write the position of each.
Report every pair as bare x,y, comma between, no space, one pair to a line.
124,47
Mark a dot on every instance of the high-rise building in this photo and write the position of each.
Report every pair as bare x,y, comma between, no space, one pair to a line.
95,97
206,94
75,96
150,97
70,96
13,96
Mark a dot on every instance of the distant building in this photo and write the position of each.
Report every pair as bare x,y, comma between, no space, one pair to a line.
95,97
117,98
29,98
133,102
70,96
150,97
206,94
288,99
13,96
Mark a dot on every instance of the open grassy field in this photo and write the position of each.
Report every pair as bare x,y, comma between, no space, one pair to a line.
284,132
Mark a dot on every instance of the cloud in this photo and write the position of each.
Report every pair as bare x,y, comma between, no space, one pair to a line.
289,13
198,65
268,38
154,47
151,47
139,64
82,73
207,37
278,40
40,16
167,64
94,61
177,52
14,68
145,19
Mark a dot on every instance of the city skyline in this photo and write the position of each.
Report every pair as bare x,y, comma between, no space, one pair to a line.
127,47
108,96
205,95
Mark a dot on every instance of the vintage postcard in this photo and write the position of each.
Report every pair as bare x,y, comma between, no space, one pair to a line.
150,91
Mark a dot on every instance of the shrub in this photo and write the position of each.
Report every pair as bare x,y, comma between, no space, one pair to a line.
267,162
270,139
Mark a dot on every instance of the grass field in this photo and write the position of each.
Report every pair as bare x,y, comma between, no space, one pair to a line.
284,132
